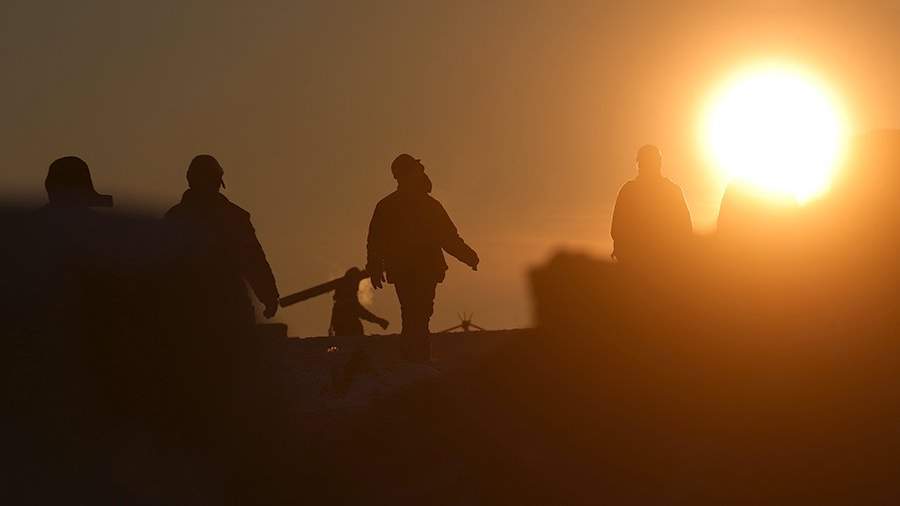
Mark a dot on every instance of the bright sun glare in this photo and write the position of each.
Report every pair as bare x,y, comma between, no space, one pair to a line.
778,129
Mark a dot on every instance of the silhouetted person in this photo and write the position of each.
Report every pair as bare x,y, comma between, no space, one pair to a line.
69,185
77,257
407,236
220,372
221,249
347,310
71,376
81,244
749,218
68,219
651,219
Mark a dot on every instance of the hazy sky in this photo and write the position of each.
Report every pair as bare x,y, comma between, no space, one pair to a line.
526,114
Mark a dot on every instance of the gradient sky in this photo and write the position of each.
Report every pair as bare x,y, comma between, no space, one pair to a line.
526,114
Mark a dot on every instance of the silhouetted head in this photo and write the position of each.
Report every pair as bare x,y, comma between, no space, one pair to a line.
354,273
348,288
649,160
405,166
205,174
410,174
69,184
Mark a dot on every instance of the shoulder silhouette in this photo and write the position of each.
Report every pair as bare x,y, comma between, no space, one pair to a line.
748,219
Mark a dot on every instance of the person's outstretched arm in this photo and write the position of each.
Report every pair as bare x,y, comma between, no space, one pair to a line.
451,242
620,217
369,316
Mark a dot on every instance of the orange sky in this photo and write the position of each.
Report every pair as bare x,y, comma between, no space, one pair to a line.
526,114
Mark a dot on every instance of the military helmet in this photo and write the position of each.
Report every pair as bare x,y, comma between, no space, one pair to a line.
205,168
69,183
404,164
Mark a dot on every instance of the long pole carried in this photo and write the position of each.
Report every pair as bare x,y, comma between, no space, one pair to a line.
315,291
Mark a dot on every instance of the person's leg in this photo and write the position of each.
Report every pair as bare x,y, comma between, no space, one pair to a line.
405,295
416,297
420,306
426,290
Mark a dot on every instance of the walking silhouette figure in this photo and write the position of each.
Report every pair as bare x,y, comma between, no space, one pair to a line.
220,250
407,236
221,363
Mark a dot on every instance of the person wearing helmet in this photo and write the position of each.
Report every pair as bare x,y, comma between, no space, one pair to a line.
80,250
69,216
408,234
651,219
69,185
221,250
347,310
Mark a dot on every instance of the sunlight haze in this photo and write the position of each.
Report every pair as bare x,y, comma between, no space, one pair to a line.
778,129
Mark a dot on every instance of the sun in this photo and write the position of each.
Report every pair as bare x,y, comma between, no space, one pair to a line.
778,129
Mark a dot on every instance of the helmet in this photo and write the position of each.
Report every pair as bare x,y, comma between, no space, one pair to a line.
69,183
205,169
404,164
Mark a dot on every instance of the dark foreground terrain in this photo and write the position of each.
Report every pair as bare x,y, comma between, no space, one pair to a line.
518,417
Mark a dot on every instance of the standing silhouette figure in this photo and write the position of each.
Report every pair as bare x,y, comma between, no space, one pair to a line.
347,310
80,252
750,219
407,236
651,219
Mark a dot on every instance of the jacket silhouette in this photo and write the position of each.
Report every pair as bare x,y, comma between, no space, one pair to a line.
651,219
347,310
69,217
408,234
220,250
